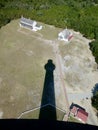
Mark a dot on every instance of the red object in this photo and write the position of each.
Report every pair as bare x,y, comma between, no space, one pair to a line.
74,110
79,113
82,115
70,37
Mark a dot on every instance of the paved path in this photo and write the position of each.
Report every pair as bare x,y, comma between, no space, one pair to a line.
61,76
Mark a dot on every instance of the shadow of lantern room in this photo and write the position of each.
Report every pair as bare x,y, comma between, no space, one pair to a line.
48,106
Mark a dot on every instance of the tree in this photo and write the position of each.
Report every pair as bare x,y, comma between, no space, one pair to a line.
94,100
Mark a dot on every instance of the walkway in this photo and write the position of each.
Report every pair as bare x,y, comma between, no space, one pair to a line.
61,76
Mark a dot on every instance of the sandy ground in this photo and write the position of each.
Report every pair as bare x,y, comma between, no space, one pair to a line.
81,73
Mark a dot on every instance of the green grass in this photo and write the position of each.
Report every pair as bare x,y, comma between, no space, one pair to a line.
48,111
72,119
50,32
22,58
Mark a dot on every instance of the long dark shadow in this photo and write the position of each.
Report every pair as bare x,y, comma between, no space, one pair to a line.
48,109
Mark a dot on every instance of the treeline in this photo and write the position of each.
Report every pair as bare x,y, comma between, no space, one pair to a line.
81,15
94,102
94,46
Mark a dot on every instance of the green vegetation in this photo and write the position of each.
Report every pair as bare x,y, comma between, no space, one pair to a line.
23,54
48,109
94,48
95,100
73,119
81,15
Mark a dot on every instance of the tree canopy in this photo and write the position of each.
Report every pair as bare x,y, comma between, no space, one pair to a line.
95,100
80,15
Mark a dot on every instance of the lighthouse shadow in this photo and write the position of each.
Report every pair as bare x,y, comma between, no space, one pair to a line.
48,106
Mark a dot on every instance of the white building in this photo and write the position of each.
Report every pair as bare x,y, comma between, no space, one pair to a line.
29,24
65,35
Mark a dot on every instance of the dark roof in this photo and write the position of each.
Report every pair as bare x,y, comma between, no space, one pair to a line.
25,20
76,105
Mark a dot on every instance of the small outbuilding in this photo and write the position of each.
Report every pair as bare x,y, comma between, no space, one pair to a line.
29,24
65,35
78,112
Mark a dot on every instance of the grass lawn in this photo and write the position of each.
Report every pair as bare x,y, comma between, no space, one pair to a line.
72,119
23,54
47,112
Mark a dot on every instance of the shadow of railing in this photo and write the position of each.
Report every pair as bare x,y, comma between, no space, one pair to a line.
47,109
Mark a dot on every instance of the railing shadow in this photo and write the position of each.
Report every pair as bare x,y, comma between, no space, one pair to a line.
47,109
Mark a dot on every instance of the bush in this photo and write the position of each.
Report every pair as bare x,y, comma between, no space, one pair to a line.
94,100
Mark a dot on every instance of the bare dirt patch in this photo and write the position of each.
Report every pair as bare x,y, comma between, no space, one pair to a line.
81,73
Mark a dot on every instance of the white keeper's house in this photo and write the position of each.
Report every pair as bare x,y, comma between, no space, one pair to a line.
65,35
29,24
